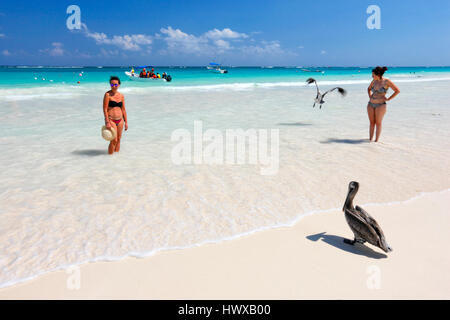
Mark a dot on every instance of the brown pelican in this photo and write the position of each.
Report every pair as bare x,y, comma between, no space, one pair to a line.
319,97
364,227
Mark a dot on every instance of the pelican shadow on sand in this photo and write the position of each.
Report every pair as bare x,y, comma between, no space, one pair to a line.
90,152
338,242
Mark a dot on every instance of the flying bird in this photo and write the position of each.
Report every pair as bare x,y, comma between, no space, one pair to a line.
319,97
364,227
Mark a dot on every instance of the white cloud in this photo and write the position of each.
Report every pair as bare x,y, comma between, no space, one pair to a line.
6,53
55,51
127,42
323,52
212,42
2,35
265,48
175,33
222,44
178,40
226,33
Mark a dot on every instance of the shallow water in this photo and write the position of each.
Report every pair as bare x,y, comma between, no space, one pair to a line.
64,201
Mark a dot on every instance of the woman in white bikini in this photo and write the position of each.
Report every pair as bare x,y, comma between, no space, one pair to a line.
115,113
376,109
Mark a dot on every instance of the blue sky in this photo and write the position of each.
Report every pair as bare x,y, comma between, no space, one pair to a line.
195,32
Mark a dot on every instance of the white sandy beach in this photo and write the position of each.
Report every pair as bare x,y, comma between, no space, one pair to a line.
307,260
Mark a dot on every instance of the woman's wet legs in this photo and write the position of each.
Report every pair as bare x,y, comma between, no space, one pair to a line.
371,114
379,115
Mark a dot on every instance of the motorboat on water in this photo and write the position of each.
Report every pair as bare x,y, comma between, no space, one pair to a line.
215,67
135,77
132,75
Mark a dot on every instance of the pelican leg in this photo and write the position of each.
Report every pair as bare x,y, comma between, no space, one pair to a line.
314,104
350,242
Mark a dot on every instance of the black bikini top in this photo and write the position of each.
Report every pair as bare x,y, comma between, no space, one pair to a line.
114,104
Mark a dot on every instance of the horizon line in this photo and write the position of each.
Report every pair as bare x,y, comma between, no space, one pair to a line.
202,66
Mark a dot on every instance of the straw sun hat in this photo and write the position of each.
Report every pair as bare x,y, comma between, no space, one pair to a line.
109,134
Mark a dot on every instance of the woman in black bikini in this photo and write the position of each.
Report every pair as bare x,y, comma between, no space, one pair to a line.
376,109
115,113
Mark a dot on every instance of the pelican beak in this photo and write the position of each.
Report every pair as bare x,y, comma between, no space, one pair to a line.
343,207
346,200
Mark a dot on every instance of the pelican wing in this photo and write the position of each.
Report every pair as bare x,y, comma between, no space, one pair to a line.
311,80
356,216
374,224
365,214
341,91
360,227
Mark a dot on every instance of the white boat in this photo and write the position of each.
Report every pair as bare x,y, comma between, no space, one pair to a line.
135,77
215,67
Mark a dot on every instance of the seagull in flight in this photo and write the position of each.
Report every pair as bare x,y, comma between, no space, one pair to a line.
319,98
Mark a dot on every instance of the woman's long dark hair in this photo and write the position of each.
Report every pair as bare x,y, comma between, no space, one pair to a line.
379,71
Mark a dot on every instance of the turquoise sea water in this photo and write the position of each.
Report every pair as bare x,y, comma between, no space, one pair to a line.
23,76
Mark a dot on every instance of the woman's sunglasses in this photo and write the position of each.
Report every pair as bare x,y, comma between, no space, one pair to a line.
114,84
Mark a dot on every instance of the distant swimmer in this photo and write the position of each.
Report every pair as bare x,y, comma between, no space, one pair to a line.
319,97
376,109
115,113
364,227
